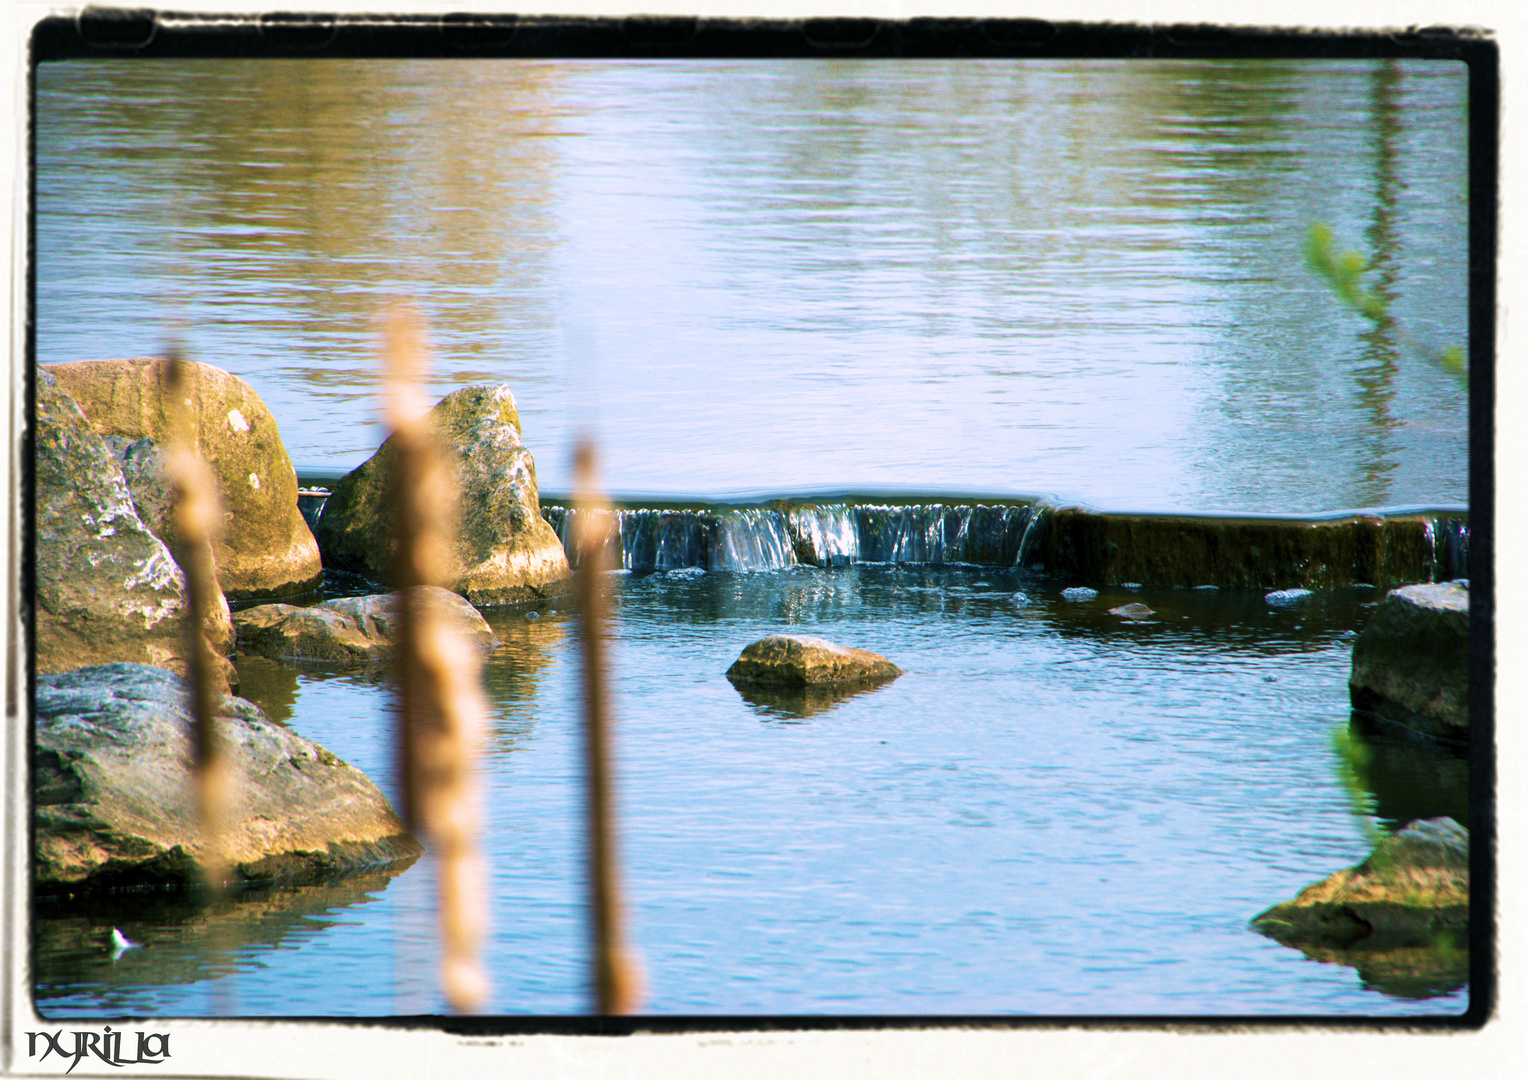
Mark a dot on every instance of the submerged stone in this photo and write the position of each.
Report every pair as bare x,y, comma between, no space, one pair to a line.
1411,663
114,803
1132,611
798,660
350,630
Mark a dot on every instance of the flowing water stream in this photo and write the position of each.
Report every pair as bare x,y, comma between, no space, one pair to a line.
1002,279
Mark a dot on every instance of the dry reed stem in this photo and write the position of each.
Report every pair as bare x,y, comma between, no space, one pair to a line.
617,974
198,516
441,702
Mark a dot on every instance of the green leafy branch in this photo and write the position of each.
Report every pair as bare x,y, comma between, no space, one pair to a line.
1344,272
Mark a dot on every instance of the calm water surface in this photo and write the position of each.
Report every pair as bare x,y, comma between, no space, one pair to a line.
1070,277
1064,276
1052,811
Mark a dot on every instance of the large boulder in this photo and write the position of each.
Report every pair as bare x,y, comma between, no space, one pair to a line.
351,630
107,588
505,552
1412,891
1411,663
113,791
798,660
266,548
145,469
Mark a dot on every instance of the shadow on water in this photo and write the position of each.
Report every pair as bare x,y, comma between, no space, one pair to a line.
1417,974
1400,777
796,703
181,941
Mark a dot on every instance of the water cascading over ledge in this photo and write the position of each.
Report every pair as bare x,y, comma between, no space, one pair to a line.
833,534
1384,548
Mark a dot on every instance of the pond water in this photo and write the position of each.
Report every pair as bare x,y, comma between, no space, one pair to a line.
1054,810
1001,278
1074,277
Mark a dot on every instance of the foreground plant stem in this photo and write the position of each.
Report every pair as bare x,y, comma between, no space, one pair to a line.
617,977
441,703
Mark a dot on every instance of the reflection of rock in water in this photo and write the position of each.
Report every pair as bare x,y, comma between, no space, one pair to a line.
1416,973
799,702
270,685
512,673
1410,777
1400,917
182,941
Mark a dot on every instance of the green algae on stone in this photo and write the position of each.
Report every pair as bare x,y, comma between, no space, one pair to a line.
1235,552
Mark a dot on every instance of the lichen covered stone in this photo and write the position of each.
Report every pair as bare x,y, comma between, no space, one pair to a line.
505,552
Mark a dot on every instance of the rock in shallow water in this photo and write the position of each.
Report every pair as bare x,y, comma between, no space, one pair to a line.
266,548
113,795
1413,889
351,630
798,660
505,552
1411,663
107,588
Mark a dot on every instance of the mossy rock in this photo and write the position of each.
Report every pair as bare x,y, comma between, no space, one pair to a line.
504,552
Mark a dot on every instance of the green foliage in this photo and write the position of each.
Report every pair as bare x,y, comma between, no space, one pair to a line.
1344,272
1353,757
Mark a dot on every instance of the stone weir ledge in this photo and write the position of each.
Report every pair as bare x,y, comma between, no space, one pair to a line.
1383,548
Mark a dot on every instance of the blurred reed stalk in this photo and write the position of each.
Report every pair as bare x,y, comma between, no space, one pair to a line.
440,694
617,976
198,517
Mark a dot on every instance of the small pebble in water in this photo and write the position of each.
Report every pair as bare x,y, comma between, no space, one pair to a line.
1019,599
1132,611
1079,592
1131,585
1207,588
533,615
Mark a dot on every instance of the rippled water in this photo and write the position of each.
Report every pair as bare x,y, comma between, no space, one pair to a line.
1053,810
994,277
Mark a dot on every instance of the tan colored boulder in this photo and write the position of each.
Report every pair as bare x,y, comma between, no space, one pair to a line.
505,552
350,630
266,548
798,660
107,588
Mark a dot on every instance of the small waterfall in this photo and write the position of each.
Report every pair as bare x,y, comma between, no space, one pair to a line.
647,540
823,535
827,536
1454,545
749,540
1032,533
